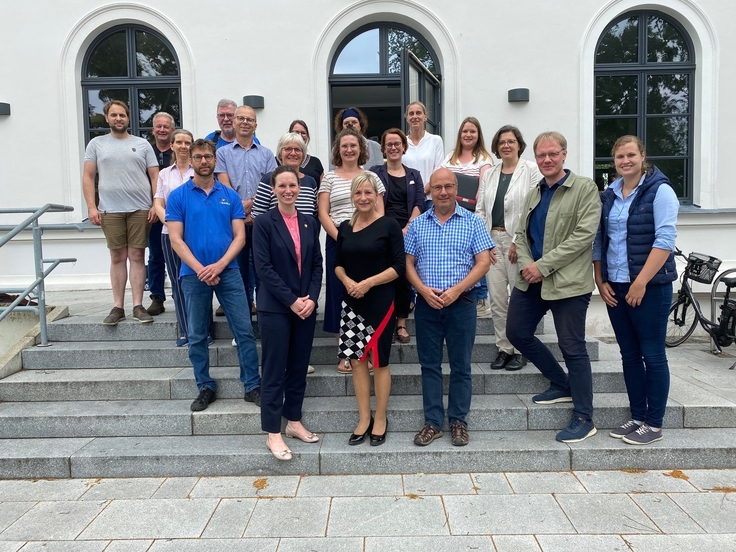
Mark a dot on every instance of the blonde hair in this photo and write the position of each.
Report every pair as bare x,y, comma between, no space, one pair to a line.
357,182
479,151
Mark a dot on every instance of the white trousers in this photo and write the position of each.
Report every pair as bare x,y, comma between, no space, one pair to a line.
501,279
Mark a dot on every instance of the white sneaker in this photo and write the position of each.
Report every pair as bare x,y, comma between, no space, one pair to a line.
234,344
310,369
483,308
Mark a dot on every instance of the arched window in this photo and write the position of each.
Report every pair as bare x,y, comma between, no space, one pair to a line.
136,65
644,79
381,68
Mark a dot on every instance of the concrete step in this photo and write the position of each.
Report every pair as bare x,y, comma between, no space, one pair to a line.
164,328
141,354
490,451
88,384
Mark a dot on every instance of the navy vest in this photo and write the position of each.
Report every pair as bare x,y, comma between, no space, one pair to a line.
639,229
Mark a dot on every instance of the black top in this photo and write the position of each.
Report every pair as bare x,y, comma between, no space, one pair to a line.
163,157
396,200
313,167
497,216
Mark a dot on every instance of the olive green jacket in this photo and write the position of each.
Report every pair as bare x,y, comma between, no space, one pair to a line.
572,222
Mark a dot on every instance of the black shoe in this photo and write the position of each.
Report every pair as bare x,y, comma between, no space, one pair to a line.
377,440
157,306
204,399
517,362
500,361
358,439
254,396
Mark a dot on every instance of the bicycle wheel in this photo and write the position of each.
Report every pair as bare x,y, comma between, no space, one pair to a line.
681,322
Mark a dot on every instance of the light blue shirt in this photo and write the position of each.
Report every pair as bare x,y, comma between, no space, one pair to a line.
245,167
445,253
665,208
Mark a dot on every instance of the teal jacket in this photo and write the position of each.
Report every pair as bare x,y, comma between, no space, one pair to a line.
572,222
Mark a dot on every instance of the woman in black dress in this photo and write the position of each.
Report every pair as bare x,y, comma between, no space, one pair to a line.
370,256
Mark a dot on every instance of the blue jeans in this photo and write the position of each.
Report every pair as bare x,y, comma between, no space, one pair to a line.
156,267
454,325
198,301
245,262
640,332
482,289
526,310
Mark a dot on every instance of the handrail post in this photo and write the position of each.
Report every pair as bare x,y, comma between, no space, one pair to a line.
38,262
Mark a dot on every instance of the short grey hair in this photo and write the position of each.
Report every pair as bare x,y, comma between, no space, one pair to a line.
164,114
225,103
288,138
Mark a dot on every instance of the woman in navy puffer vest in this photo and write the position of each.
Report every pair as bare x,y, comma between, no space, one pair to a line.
634,271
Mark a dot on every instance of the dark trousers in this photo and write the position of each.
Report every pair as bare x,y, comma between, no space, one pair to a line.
404,296
245,264
526,310
156,268
334,289
640,332
286,344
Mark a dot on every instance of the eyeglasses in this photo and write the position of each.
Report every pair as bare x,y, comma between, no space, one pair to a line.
398,145
206,157
241,119
506,143
552,155
440,187
291,150
225,115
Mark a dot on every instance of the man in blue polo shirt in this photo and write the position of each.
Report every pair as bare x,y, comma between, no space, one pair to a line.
205,221
448,251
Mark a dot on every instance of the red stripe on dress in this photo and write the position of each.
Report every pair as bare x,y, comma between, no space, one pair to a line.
373,342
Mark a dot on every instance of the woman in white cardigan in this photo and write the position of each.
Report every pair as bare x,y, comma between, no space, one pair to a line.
500,198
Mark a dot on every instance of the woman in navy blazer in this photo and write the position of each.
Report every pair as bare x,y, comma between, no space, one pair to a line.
403,201
288,261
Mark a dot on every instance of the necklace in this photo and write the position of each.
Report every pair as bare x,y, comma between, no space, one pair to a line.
356,228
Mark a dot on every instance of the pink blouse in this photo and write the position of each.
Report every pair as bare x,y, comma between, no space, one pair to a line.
292,224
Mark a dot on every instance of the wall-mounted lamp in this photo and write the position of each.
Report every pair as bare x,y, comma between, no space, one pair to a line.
256,102
4,108
519,95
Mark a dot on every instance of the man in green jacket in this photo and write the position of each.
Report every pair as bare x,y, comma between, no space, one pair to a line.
554,243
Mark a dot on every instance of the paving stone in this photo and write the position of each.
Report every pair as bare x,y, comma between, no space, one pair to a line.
324,544
95,418
428,544
516,543
681,543
387,516
505,514
605,513
582,543
33,458
188,456
11,511
667,515
545,483
239,487
176,487
215,545
90,328
66,546
491,483
712,480
131,519
59,520
109,489
487,451
633,481
438,484
229,519
350,485
88,384
11,546
42,489
714,512
289,517
129,546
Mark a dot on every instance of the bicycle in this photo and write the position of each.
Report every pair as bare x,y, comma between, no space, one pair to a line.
685,312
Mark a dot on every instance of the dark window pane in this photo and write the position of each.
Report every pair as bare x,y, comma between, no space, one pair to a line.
97,100
675,170
95,134
616,95
607,131
668,94
398,40
109,58
664,42
153,58
605,174
153,100
429,100
620,44
361,55
667,135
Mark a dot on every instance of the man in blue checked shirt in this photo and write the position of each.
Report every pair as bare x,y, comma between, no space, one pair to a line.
448,251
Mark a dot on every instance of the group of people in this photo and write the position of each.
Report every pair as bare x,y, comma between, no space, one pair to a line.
450,237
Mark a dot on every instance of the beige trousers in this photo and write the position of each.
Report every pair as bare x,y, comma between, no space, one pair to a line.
501,279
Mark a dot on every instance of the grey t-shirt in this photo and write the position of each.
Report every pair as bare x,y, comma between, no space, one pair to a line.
123,168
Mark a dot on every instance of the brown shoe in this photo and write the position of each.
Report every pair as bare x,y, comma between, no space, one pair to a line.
426,435
157,306
220,311
116,315
402,338
459,433
141,315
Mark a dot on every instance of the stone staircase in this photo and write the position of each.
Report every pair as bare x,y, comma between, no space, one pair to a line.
114,402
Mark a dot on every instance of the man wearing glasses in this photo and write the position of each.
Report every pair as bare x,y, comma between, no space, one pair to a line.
225,120
554,245
205,221
448,251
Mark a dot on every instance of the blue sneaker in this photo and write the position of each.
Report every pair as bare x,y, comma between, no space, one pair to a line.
552,396
577,430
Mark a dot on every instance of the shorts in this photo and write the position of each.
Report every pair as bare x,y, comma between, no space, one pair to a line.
126,229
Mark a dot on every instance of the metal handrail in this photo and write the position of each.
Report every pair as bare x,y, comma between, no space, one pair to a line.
37,288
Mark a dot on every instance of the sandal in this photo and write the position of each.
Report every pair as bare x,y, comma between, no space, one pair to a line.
344,366
402,338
